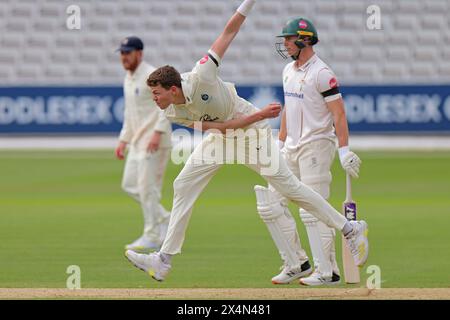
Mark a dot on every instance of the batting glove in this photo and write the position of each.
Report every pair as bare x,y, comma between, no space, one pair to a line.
349,161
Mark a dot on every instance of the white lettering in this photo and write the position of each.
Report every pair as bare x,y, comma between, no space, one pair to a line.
73,22
374,20
414,108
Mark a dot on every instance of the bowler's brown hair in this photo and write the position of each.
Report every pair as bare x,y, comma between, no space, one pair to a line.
166,76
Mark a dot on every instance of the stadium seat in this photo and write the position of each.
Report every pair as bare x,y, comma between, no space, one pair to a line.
12,41
50,10
434,22
345,54
431,38
366,70
398,53
33,56
354,6
8,57
56,72
89,54
187,8
268,8
414,7
28,71
41,41
62,56
6,72
128,25
323,6
444,70
180,31
394,70
324,23
401,37
161,8
132,9
105,9
376,38
353,22
21,11
406,22
436,6
216,9
422,69
425,54
370,53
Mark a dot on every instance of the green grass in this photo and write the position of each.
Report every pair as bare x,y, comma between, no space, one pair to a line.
66,208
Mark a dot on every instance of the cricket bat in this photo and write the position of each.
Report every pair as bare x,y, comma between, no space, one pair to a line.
351,270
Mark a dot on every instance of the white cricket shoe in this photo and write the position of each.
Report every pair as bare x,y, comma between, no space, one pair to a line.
316,279
149,263
143,245
288,274
358,243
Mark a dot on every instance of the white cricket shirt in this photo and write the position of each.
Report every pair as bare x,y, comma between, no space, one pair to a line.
142,116
307,115
209,98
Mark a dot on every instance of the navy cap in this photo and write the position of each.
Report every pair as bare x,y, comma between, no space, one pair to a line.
130,44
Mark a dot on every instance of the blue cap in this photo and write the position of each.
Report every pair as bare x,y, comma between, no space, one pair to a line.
130,44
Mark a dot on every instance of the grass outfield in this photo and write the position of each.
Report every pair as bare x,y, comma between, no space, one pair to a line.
66,208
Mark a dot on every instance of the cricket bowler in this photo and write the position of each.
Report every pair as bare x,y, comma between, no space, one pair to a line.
201,99
147,133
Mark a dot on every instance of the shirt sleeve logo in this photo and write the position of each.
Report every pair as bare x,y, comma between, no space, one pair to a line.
204,59
333,83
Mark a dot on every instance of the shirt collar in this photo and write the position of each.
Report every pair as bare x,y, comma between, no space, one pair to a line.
308,63
186,87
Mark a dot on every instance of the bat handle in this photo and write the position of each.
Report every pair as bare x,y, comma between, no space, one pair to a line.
348,188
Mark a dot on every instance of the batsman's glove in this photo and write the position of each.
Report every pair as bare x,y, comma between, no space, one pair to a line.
349,161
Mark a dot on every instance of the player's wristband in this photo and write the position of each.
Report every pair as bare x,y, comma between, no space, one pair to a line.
246,7
343,151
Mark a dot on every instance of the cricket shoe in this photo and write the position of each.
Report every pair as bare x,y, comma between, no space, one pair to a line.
149,263
288,274
143,245
316,279
358,243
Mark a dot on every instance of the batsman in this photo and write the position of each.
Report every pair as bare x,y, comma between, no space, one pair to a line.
312,120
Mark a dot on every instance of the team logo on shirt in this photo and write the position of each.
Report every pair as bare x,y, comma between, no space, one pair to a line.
333,83
206,98
136,92
204,59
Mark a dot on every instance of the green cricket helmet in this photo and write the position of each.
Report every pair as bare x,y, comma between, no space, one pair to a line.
301,27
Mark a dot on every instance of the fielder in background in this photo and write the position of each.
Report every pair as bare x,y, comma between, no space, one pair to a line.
200,99
313,116
147,133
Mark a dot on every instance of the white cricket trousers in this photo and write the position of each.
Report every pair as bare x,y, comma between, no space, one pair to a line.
142,180
311,163
201,167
